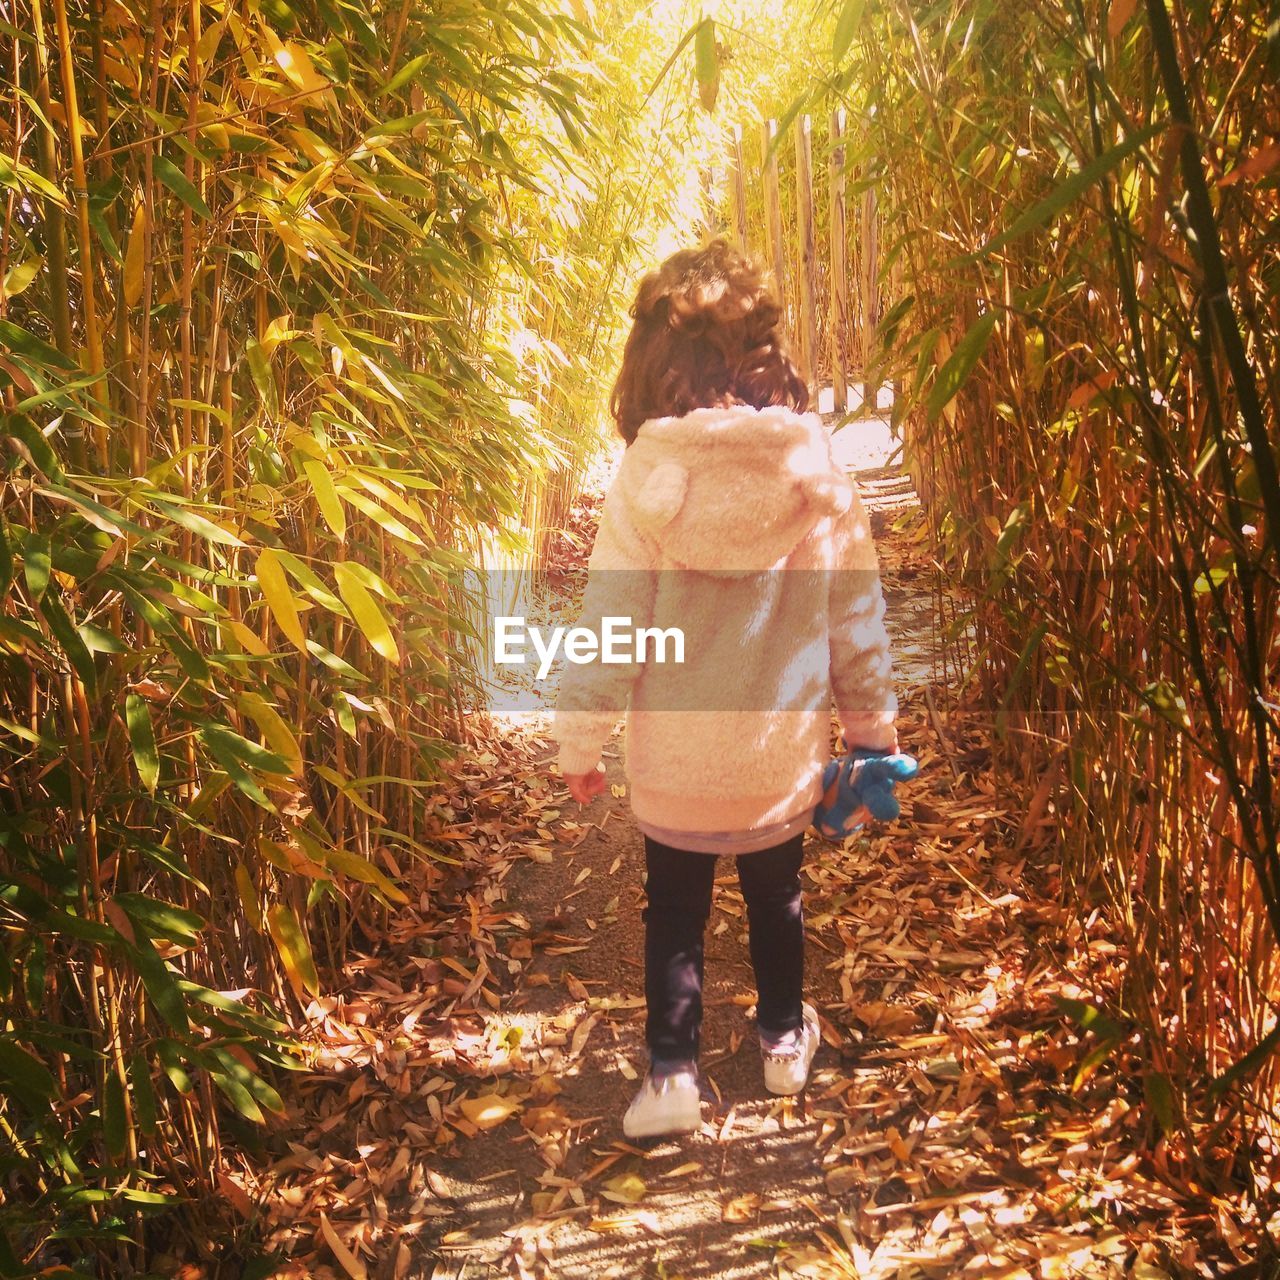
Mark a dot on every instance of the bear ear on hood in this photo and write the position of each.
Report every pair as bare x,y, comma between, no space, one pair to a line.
662,494
827,494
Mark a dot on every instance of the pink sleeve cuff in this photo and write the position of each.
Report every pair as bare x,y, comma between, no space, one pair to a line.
576,760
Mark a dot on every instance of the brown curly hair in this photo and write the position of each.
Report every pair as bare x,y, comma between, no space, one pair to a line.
705,336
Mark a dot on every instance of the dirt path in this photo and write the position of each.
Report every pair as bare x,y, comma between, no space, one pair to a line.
480,1062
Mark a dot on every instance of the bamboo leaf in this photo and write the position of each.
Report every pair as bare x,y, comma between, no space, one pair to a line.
294,950
274,586
240,1097
200,525
327,498
1066,192
706,63
249,897
142,739
135,257
847,25
176,181
226,745
364,609
19,341
278,734
114,1124
37,563
144,1096
160,985
1246,1066
73,646
24,1076
162,919
969,350
19,276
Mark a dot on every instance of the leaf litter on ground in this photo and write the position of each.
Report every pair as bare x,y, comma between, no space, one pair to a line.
959,1122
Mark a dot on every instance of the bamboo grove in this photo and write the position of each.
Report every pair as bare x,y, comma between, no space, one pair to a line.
259,265
1078,212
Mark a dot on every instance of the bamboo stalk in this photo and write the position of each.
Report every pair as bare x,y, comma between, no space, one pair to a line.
80,181
807,323
773,210
839,265
739,191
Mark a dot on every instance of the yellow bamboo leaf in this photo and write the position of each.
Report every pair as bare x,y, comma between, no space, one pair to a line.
294,61
135,258
277,331
346,1259
364,609
280,600
392,524
327,499
295,951
19,276
249,639
278,735
249,897
292,858
358,868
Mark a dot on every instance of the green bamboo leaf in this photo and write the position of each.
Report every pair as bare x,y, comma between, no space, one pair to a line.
97,640
251,1080
1159,1091
74,648
114,1128
6,559
326,493
240,1097
1245,1067
37,563
260,371
951,377
170,1053
199,525
160,985
176,181
405,74
1066,192
148,1199
21,428
162,919
25,1077
142,738
144,1096
392,524
19,341
226,745
847,25
19,276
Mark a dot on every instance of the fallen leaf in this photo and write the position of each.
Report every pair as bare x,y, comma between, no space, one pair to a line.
489,1109
346,1259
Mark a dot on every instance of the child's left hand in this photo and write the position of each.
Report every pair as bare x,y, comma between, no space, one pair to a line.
584,787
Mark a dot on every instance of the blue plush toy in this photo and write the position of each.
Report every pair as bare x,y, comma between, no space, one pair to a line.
860,786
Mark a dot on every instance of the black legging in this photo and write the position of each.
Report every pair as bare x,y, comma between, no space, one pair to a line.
679,888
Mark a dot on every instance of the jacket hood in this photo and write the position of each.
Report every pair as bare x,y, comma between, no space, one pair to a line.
731,491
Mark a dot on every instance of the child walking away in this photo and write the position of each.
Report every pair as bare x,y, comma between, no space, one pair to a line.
727,521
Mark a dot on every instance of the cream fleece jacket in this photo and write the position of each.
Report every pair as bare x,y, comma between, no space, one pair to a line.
735,526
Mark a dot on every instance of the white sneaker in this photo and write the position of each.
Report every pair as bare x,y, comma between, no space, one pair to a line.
665,1104
786,1068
